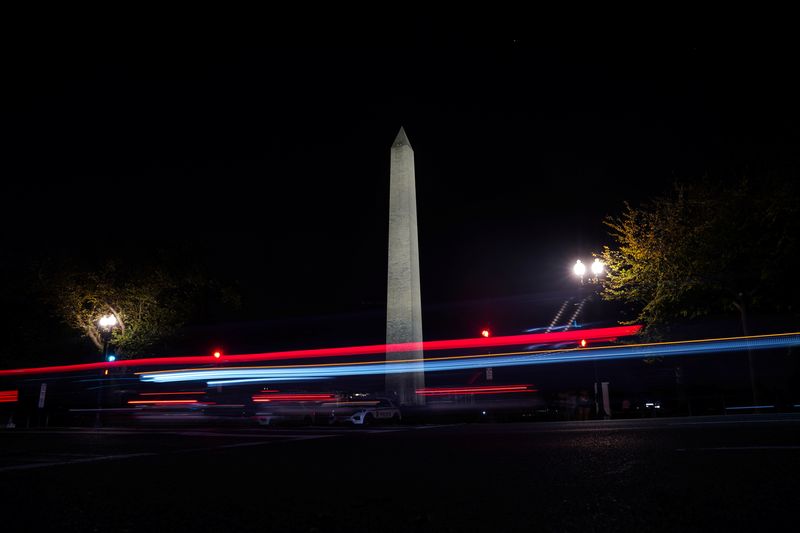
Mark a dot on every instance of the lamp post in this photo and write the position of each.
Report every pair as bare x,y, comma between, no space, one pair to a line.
579,269
597,268
107,324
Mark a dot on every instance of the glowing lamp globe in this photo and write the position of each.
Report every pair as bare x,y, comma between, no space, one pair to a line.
597,267
108,321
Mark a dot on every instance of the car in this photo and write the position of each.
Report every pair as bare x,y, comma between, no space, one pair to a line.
365,412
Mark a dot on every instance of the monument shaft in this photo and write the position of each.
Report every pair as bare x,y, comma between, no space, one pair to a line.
403,303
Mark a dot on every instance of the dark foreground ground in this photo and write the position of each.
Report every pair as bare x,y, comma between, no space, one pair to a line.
693,474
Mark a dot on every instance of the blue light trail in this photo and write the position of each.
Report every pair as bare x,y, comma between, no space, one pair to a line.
231,375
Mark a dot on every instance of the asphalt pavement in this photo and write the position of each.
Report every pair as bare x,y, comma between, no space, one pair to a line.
665,474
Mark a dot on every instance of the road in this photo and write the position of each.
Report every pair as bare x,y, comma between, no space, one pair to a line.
688,474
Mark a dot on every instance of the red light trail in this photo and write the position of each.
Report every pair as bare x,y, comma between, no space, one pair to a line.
160,402
456,344
293,397
491,389
9,396
169,393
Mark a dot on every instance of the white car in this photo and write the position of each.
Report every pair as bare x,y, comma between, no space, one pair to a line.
365,412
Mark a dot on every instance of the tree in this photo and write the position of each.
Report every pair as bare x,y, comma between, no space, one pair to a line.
705,248
148,306
152,294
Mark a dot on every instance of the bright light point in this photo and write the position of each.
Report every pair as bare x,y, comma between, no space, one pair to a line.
217,354
483,412
108,321
583,343
485,333
579,268
597,267
112,358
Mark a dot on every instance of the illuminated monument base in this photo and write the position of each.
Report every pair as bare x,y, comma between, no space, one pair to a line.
403,302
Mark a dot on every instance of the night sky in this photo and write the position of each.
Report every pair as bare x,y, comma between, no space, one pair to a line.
273,153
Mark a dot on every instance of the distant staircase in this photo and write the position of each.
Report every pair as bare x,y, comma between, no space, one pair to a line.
566,325
554,323
574,319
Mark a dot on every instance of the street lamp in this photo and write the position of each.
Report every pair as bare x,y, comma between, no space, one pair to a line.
579,269
597,268
108,321
107,324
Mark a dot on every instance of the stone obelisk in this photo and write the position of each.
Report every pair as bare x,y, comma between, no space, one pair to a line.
403,303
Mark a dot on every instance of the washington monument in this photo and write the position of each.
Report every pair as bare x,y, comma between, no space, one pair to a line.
403,303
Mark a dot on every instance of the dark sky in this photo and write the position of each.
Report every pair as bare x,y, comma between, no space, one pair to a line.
273,151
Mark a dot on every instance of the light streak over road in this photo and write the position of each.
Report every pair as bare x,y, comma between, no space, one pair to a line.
161,402
596,334
9,396
607,353
273,397
489,389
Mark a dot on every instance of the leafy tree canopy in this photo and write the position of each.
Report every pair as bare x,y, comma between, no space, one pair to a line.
152,293
706,248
